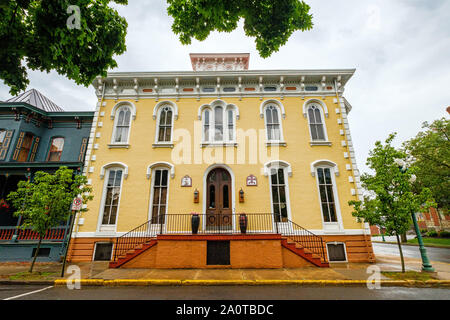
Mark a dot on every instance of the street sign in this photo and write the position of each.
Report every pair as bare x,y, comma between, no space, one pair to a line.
76,204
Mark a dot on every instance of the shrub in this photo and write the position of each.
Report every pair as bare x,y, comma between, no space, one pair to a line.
432,233
444,234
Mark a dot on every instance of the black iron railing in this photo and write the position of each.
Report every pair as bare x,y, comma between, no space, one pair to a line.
205,223
307,239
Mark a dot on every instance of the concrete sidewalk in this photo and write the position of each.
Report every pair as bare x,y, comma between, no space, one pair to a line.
350,271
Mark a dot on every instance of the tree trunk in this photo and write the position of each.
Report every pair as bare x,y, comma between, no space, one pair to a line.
401,252
36,254
404,239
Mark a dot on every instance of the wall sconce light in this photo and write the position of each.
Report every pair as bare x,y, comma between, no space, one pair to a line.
196,195
241,195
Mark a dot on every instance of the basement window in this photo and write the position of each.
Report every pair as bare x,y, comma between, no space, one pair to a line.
209,89
218,253
43,252
229,89
336,252
270,88
311,88
103,251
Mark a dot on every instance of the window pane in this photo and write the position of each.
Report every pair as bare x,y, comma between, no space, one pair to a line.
164,177
157,178
212,197
280,176
118,177
268,116
320,175
327,176
126,121
120,119
161,134
326,216
226,201
162,119
169,117
274,177
275,115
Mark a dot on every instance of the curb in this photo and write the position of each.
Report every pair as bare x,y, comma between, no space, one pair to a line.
171,282
414,245
174,282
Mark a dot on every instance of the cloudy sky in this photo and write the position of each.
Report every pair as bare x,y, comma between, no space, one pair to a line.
400,49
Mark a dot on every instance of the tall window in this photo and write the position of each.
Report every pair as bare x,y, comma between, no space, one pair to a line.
219,124
326,191
56,149
315,123
165,124
279,201
159,199
112,196
122,126
272,123
25,148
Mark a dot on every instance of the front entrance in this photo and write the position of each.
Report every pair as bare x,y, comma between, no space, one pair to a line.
218,200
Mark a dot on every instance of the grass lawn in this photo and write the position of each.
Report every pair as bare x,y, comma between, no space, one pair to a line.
33,276
408,275
433,241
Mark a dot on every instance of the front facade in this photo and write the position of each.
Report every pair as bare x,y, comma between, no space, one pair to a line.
36,135
221,141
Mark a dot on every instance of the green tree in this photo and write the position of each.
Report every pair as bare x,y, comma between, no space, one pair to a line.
391,200
431,152
271,22
35,34
44,203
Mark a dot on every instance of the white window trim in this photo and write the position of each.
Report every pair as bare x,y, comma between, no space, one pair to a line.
108,228
103,242
226,107
345,251
162,144
329,227
287,171
160,166
126,144
281,115
317,142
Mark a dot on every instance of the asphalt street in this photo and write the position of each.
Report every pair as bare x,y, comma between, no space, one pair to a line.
434,254
12,292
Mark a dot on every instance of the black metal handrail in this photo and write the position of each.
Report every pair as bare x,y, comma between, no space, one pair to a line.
304,237
232,223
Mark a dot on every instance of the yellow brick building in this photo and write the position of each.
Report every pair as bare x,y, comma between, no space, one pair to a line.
221,141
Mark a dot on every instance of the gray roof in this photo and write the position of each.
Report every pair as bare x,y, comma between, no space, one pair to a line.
37,99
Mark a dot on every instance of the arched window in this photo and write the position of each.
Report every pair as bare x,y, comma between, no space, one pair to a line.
122,125
325,172
273,127
219,122
316,125
56,148
165,124
278,172
111,197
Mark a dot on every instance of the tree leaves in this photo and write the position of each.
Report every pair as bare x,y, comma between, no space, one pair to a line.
45,202
392,197
271,22
431,152
35,34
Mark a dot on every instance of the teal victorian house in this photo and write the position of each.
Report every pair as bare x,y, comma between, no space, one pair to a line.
36,135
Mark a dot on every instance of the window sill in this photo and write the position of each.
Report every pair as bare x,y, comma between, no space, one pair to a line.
162,145
118,145
276,144
218,144
320,143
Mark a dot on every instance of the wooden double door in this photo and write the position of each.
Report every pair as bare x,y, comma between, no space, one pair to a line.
219,200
